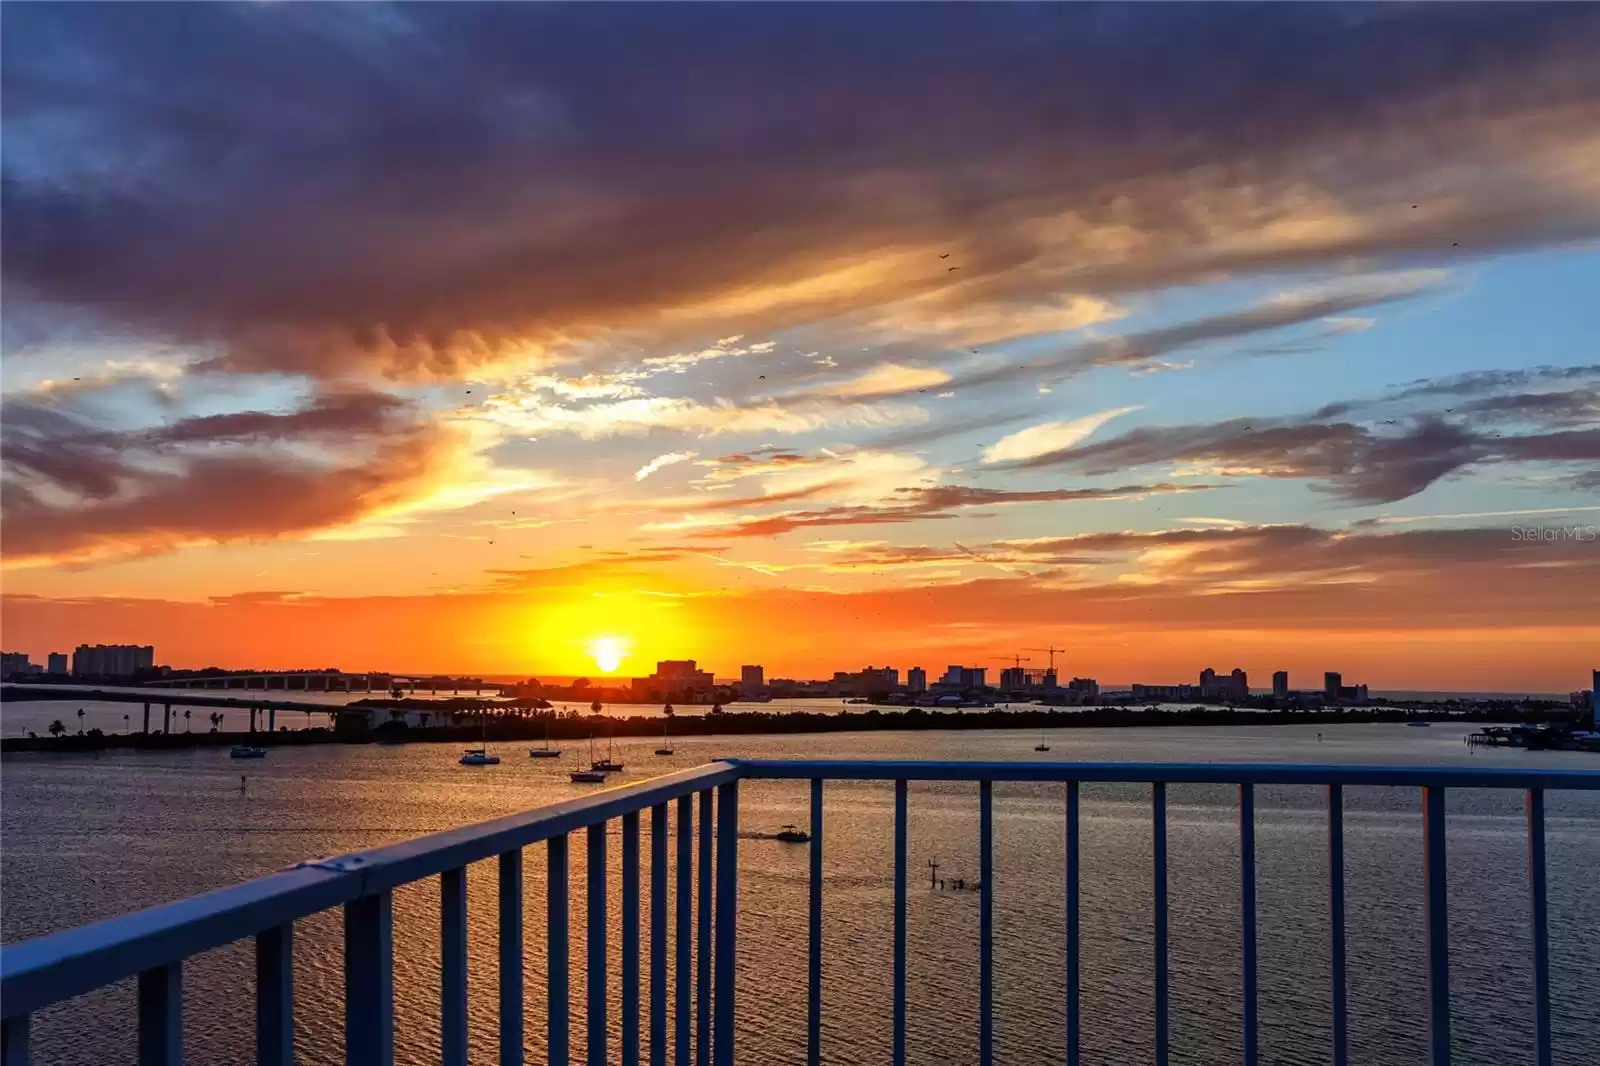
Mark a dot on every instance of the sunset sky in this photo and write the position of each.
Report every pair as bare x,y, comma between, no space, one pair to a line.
460,337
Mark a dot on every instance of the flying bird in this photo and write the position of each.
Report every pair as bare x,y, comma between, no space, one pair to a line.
945,256
949,269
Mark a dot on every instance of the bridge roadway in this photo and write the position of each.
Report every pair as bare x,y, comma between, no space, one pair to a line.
372,681
21,693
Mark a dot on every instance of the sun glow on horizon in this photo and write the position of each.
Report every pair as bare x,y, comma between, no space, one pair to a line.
608,652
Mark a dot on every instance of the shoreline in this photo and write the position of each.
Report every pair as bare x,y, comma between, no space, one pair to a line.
857,719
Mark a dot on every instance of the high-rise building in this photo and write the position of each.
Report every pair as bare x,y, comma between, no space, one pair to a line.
1013,679
1084,689
58,662
917,679
963,676
112,660
1236,686
14,662
674,675
752,680
676,669
1332,681
1280,684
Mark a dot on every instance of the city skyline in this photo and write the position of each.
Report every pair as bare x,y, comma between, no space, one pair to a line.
560,340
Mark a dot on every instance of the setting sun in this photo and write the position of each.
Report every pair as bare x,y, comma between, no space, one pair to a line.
608,652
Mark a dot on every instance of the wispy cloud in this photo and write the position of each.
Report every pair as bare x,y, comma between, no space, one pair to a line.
529,416
1049,436
909,505
662,461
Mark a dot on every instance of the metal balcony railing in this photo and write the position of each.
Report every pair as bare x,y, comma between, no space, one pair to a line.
153,944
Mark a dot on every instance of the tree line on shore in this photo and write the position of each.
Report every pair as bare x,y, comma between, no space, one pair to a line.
532,725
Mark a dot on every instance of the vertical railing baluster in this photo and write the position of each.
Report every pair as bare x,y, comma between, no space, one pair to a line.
683,938
814,934
1158,842
511,958
1073,961
369,980
899,1046
1436,909
161,1016
1247,914
658,935
15,1047
1341,1017
275,996
727,918
453,966
558,1006
1539,920
986,923
630,939
595,1039
703,948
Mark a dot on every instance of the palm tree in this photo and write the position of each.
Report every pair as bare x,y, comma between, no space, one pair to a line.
56,728
667,710
80,721
186,713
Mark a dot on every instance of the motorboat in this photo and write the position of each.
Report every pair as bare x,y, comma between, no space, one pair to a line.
587,777
792,834
247,751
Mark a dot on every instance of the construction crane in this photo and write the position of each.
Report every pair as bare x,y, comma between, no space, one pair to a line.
1016,660
1052,650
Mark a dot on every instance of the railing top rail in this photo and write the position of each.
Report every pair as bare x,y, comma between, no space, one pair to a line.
1172,773
38,972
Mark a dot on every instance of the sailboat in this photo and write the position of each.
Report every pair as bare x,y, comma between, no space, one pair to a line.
1041,746
546,752
666,743
481,756
607,765
592,776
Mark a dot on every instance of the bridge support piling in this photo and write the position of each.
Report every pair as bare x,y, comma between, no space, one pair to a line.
147,718
166,718
272,719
